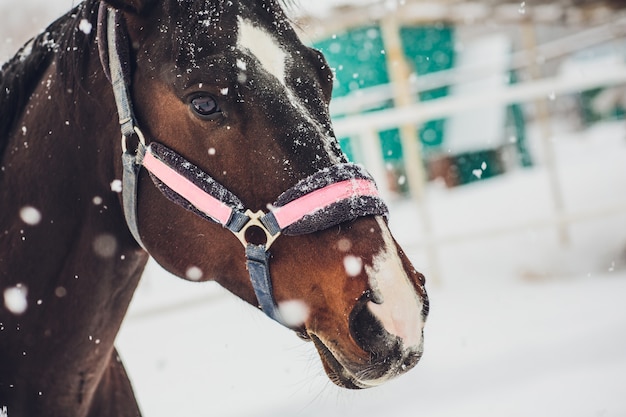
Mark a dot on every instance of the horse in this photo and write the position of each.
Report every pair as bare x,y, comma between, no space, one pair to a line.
196,132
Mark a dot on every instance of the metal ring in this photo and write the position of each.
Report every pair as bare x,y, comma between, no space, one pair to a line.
255,220
139,133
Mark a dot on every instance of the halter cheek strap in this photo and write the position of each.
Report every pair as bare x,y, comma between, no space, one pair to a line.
114,57
330,196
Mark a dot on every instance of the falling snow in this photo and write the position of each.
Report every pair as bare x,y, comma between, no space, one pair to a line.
194,273
353,265
105,245
116,186
85,27
30,215
478,173
15,299
294,312
344,245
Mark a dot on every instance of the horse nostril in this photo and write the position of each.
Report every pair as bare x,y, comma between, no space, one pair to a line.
369,332
411,360
372,296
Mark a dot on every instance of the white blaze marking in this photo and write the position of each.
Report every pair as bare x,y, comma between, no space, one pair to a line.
264,47
401,310
254,40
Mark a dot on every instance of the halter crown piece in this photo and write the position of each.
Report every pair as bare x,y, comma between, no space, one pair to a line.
330,196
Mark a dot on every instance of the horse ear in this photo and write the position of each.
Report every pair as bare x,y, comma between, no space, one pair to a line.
133,6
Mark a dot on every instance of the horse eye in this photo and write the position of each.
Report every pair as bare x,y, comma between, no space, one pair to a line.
205,106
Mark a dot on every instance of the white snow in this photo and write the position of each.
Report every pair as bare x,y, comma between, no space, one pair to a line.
194,273
519,326
85,26
294,312
353,265
241,64
30,215
105,245
116,186
15,299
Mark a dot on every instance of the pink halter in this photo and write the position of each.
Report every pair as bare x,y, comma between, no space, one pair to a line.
331,196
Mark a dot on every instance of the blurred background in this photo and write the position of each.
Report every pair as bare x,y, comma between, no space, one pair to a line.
496,130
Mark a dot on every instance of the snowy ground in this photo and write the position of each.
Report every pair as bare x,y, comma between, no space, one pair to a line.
520,325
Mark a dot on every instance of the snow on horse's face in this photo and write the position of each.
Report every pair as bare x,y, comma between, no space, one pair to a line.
229,86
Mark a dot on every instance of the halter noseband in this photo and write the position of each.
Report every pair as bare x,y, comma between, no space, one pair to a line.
330,196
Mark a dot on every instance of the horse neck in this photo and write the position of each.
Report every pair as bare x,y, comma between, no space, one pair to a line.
63,239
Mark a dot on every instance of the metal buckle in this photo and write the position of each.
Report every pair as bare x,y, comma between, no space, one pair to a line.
255,220
140,136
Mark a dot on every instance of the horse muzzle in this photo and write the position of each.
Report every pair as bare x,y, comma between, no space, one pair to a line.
372,368
373,354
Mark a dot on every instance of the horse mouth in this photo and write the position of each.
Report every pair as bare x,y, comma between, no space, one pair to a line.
337,373
372,375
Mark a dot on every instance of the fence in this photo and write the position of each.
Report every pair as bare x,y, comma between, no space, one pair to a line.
537,91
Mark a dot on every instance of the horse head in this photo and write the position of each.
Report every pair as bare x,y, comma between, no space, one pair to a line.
225,90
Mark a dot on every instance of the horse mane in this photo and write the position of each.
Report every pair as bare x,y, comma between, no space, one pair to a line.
19,76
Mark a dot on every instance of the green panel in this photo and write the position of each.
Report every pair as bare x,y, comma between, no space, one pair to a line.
466,163
516,128
517,125
359,61
357,58
391,144
589,115
430,49
346,147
